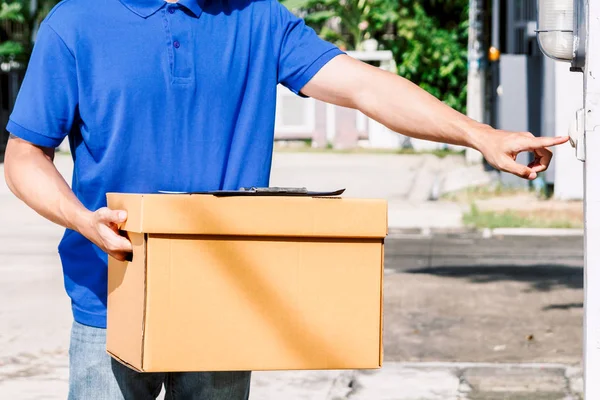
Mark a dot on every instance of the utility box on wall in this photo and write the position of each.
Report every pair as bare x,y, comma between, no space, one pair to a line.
513,106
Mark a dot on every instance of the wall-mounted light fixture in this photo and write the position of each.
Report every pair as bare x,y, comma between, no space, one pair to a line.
562,29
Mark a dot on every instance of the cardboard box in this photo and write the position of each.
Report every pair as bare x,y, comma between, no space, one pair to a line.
248,283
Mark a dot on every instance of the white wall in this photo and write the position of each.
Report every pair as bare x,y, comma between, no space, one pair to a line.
568,181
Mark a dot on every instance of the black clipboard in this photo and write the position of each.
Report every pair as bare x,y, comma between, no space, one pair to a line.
268,191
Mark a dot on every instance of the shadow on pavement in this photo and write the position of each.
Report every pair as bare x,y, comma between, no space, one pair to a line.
541,277
567,306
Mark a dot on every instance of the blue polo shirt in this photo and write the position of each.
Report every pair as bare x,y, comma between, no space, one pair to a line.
157,96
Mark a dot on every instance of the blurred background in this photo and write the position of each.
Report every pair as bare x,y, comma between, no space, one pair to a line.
484,272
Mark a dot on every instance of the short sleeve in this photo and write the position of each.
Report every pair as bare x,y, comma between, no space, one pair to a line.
301,53
47,101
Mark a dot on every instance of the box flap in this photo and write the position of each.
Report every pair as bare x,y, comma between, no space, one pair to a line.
127,305
252,216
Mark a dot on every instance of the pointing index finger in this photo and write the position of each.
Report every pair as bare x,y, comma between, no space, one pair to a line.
542,142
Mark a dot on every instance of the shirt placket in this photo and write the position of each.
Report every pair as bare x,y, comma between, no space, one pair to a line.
179,44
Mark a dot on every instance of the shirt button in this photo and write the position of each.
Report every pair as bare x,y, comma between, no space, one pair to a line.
171,10
176,44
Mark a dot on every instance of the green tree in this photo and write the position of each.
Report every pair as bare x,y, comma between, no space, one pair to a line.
11,12
430,48
357,19
29,16
427,37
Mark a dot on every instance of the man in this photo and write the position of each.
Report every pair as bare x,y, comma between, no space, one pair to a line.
181,96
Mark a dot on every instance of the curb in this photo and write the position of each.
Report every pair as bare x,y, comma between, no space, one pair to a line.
534,232
572,368
486,233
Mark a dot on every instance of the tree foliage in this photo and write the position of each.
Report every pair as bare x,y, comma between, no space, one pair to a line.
28,16
12,12
427,37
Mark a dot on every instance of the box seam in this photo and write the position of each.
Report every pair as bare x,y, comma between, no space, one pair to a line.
381,304
143,341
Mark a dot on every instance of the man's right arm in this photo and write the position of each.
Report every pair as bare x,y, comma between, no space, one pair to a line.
31,175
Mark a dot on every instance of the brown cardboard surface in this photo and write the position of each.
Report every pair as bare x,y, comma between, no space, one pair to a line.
126,294
252,216
234,301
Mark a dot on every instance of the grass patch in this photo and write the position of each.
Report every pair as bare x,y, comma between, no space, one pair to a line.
474,193
520,219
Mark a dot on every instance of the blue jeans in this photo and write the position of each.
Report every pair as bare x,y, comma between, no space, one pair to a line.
94,375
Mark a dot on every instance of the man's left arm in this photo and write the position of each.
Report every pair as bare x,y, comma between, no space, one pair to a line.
405,108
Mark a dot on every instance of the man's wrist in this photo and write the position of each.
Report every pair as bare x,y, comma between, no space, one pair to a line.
474,133
80,221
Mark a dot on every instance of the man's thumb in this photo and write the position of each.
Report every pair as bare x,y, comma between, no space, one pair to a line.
115,216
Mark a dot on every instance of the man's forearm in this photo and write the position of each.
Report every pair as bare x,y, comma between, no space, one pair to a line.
423,116
33,178
405,108
391,100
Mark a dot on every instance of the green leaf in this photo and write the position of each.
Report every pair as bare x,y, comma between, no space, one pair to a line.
11,12
296,4
320,16
10,48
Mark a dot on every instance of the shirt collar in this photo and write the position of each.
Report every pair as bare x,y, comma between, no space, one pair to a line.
195,6
145,8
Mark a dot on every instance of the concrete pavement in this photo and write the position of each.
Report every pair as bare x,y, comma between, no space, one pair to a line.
464,298
439,314
406,181
395,381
